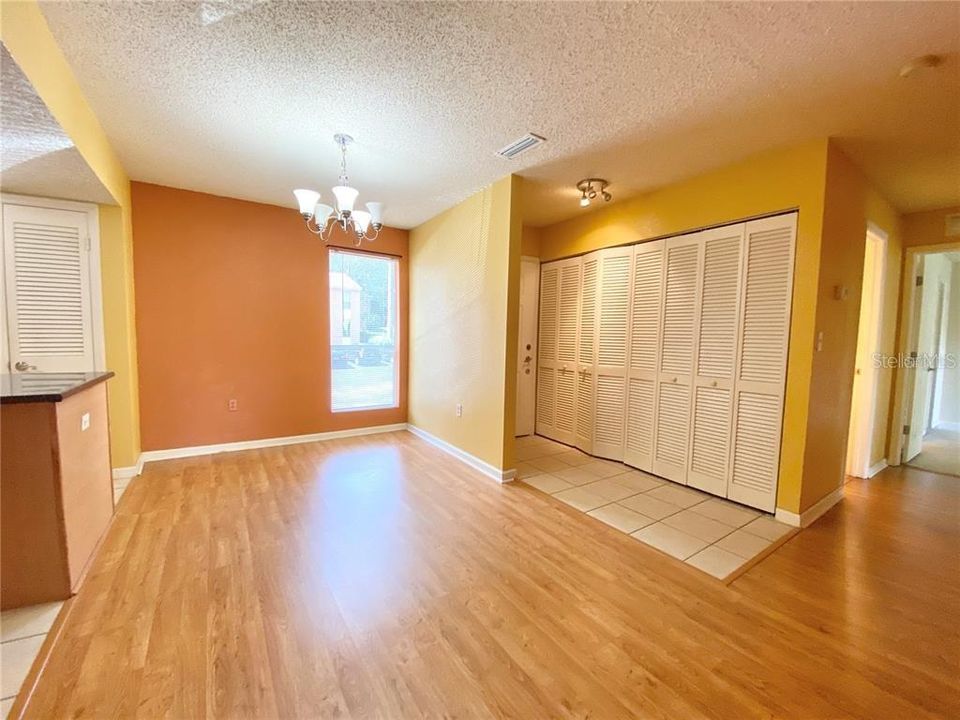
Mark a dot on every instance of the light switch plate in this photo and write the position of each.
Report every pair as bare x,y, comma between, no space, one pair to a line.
85,421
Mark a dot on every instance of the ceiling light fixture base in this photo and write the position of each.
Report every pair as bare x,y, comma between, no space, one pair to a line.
591,187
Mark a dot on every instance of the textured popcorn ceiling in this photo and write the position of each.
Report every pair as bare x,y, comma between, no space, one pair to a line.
36,156
242,98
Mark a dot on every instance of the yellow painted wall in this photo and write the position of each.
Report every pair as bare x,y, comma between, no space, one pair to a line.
850,203
928,228
783,179
530,241
31,44
464,293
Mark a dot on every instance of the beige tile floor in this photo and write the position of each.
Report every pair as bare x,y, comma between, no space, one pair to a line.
22,632
709,533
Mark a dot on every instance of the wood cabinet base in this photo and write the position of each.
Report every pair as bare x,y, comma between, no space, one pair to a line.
57,494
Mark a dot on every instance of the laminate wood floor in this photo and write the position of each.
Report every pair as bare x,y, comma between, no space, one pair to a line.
379,577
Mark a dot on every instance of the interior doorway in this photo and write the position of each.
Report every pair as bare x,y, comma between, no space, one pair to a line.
527,345
864,453
931,414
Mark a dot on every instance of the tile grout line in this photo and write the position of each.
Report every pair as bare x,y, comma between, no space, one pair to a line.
25,637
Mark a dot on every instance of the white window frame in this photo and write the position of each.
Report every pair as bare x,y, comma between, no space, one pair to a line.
331,251
92,212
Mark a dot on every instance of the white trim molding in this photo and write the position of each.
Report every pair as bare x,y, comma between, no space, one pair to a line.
194,451
876,467
501,476
131,471
812,513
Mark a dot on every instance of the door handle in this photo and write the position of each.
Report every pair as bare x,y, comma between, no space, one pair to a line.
24,366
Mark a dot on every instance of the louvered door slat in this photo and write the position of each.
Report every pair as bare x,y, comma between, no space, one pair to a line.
679,307
765,297
549,294
673,422
567,313
49,308
638,446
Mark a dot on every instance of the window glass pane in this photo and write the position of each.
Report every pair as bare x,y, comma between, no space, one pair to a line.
363,330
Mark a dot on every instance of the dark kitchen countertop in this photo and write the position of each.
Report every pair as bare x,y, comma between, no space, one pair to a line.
46,387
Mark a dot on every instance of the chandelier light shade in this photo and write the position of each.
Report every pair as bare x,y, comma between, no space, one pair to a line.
321,218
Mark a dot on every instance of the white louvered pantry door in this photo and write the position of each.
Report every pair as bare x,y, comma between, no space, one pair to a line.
47,289
717,317
556,377
610,373
763,334
586,350
644,354
675,377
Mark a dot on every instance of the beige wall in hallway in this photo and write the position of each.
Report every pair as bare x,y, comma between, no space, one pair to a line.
950,398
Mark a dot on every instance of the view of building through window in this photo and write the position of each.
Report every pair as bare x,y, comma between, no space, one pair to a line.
363,330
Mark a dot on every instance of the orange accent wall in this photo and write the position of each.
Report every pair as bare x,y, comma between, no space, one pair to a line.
232,302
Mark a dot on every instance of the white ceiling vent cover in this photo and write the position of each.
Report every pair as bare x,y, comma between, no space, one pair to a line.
953,225
521,145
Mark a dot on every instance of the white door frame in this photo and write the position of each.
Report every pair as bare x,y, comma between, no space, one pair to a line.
858,464
903,390
528,321
96,289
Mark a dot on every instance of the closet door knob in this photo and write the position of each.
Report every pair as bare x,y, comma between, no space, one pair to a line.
713,384
674,379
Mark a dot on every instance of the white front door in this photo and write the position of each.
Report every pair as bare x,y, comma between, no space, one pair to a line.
47,289
527,346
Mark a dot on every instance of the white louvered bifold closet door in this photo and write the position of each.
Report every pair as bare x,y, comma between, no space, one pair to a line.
586,350
613,330
678,322
712,408
47,288
556,376
568,311
764,330
644,354
547,350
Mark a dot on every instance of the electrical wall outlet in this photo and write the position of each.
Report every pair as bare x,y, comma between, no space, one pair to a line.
84,422
459,410
232,404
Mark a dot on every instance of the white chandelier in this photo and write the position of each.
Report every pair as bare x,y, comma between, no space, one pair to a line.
321,219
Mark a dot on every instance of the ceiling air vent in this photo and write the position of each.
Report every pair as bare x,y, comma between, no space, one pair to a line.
520,146
953,225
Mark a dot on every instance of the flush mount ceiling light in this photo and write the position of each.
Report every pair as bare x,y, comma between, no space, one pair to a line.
589,189
321,218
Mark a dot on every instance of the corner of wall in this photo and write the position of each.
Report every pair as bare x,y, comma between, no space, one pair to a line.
31,44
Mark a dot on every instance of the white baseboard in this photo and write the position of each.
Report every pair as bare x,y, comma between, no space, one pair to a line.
877,467
946,425
501,476
812,513
130,471
173,453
